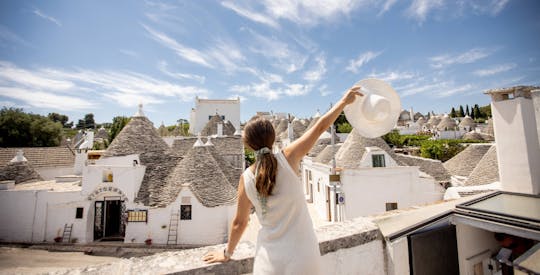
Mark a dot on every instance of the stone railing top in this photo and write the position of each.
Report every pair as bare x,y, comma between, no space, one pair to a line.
331,238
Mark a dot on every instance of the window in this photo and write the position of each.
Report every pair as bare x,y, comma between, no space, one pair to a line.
210,117
79,213
185,212
107,175
391,206
137,215
378,160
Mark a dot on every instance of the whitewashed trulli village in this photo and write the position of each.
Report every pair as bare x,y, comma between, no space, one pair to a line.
384,208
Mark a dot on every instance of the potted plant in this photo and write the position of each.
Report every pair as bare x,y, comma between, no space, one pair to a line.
58,239
148,241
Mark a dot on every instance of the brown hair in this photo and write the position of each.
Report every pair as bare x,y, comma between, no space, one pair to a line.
259,133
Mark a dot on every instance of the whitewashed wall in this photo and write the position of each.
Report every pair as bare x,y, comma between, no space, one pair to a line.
363,259
207,226
36,216
471,242
368,190
126,176
49,173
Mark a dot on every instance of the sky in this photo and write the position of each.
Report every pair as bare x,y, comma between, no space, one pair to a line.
298,56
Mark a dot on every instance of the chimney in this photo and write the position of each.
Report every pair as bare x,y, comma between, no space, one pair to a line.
220,129
516,137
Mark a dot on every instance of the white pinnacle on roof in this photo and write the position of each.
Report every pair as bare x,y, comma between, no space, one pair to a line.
19,157
318,114
140,111
199,142
208,142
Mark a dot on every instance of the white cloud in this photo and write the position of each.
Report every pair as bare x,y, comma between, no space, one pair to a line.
46,99
419,9
454,90
279,54
311,12
364,58
386,7
393,76
79,89
422,88
469,56
495,69
184,52
493,7
251,15
47,17
323,90
318,72
163,67
29,79
296,89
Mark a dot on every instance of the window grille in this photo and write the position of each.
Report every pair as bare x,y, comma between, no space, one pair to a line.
378,160
391,206
185,212
137,215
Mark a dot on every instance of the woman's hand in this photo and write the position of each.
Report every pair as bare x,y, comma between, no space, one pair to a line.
350,96
216,256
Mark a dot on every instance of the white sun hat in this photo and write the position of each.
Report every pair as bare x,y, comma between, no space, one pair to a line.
375,113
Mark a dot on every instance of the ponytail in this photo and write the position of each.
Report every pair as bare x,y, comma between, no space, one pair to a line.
259,135
265,172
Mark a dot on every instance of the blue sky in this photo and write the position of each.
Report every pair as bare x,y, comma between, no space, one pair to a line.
105,57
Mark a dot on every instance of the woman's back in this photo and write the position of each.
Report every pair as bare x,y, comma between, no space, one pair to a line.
286,243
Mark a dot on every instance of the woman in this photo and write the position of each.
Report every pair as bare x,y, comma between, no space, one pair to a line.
286,243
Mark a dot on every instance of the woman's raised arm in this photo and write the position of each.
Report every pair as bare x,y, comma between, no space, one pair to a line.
300,147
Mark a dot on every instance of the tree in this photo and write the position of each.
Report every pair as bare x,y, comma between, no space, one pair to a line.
340,120
86,123
485,111
467,110
344,128
117,125
453,112
461,112
20,129
56,117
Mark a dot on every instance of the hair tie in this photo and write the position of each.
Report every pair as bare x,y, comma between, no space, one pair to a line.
262,151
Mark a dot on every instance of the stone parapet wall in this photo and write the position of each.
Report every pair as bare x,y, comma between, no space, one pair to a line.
340,246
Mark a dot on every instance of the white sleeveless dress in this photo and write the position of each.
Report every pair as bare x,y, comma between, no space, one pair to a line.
286,243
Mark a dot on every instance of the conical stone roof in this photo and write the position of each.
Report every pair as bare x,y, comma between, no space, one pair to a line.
354,147
446,123
298,128
467,121
421,121
487,169
432,167
211,126
433,121
138,136
20,172
233,174
282,127
472,136
463,163
312,122
201,173
326,155
102,133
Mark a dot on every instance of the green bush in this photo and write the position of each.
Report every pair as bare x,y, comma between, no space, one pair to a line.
20,129
442,150
344,127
